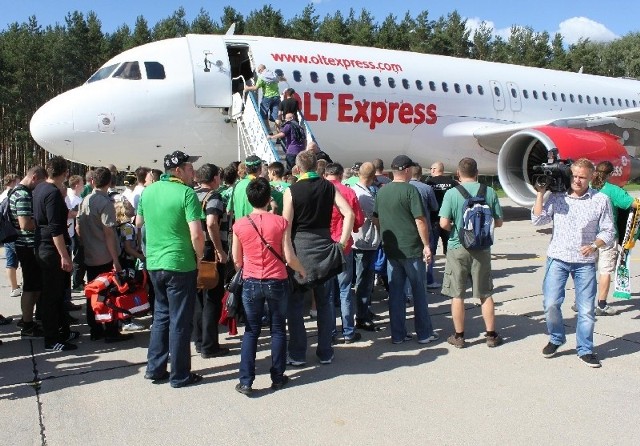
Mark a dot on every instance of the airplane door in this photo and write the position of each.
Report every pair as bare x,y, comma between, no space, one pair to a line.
211,72
514,96
498,95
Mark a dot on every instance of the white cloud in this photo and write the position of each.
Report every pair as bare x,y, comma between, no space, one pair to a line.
474,23
581,27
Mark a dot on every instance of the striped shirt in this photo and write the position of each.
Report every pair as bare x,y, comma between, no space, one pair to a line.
21,205
577,222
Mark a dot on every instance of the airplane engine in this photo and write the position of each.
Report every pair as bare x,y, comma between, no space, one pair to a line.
528,148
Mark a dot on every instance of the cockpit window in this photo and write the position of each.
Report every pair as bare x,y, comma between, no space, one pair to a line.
102,73
155,70
128,70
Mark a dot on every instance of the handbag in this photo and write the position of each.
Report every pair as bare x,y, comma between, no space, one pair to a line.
208,276
291,274
235,285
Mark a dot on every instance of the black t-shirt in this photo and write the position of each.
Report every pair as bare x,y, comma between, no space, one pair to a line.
50,213
440,185
312,204
289,105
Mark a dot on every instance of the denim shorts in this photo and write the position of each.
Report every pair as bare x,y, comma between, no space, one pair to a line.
463,264
10,254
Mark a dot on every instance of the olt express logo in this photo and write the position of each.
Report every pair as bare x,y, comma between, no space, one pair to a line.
315,107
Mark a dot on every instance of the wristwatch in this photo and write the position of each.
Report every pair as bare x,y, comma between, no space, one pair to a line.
594,246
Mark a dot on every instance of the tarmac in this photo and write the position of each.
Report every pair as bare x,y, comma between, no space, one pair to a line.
374,393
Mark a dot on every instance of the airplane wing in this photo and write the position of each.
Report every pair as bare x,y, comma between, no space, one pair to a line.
623,123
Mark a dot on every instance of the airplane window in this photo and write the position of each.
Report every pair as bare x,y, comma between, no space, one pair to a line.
514,93
128,70
535,94
469,89
619,102
376,81
627,102
525,93
432,86
544,96
595,98
445,87
604,101
456,87
102,73
572,97
496,90
613,103
297,76
635,104
588,99
580,98
346,79
405,84
419,85
331,78
554,96
314,77
480,90
362,80
563,97
392,82
155,70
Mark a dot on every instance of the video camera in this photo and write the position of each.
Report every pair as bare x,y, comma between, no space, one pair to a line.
555,174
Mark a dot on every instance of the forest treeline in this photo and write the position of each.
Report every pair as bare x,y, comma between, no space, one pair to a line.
37,63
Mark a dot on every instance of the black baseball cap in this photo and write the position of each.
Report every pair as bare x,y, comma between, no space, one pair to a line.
401,162
177,158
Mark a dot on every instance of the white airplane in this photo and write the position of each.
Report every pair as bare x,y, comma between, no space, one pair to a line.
361,103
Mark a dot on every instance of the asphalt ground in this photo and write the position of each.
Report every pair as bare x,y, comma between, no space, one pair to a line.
374,393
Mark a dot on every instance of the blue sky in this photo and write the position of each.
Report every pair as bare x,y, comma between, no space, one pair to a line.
597,19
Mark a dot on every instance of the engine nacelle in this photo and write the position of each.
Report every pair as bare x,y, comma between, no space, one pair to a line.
530,147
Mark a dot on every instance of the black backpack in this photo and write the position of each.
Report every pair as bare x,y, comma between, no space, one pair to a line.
8,232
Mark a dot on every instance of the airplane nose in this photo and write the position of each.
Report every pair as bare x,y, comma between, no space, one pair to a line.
52,127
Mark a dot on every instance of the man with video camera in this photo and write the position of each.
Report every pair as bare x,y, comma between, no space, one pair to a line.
582,223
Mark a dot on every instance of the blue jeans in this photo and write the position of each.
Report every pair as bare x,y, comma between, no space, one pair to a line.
172,324
254,294
433,246
399,270
342,283
269,108
297,330
365,275
553,287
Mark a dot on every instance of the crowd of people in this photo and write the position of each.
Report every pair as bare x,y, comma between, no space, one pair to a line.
334,229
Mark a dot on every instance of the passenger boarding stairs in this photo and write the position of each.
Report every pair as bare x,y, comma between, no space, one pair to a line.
252,133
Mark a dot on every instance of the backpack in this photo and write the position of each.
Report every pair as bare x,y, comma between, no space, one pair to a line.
477,220
298,134
8,232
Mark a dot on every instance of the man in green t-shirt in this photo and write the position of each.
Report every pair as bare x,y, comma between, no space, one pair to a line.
270,103
463,263
276,171
405,239
172,216
239,204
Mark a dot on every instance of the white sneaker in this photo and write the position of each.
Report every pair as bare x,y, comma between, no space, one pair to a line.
433,337
16,293
293,362
132,326
434,285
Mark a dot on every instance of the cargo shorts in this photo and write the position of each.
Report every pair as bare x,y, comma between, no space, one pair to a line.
464,264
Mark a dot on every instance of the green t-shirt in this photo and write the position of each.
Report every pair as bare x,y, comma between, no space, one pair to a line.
86,190
452,208
397,206
620,199
239,203
168,207
269,89
351,181
277,192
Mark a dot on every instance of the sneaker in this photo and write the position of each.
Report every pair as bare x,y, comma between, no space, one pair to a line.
60,347
70,306
31,331
456,342
327,361
434,337
5,320
16,293
294,363
132,326
281,384
355,338
606,311
591,360
574,308
244,389
433,285
405,339
550,350
494,341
